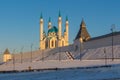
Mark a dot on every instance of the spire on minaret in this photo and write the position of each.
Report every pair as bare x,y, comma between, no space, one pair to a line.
66,18
83,33
49,23
49,19
41,16
59,14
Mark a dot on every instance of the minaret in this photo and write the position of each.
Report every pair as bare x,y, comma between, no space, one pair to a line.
59,29
49,23
67,30
41,31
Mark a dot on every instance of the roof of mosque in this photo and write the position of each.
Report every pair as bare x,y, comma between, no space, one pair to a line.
53,29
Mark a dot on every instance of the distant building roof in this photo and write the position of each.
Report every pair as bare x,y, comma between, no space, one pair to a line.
104,36
7,51
83,33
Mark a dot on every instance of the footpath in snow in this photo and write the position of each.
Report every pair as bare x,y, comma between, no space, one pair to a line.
56,64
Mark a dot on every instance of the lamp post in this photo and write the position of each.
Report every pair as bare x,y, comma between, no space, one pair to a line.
21,54
80,48
105,56
42,55
31,51
59,54
14,59
112,29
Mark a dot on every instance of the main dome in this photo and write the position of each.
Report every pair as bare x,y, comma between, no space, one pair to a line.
53,29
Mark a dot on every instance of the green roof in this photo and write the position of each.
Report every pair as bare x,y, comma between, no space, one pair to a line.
66,18
59,14
41,16
49,19
53,29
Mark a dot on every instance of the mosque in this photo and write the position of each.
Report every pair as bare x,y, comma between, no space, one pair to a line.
54,37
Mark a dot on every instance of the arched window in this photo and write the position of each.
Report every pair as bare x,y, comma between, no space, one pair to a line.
55,43
52,43
62,43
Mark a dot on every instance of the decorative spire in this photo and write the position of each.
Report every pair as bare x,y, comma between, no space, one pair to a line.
64,30
66,18
83,33
49,19
41,16
59,14
82,23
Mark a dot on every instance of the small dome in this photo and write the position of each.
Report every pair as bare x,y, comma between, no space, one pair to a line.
53,29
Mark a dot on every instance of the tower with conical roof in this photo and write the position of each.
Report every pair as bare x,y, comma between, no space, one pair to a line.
83,33
7,56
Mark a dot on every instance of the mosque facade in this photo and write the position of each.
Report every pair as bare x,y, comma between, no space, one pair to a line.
54,36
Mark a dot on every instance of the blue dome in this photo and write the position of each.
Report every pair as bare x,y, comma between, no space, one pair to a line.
53,29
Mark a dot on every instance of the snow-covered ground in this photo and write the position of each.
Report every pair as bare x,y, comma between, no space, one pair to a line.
109,73
52,64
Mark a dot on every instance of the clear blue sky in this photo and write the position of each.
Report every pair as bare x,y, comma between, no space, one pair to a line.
19,19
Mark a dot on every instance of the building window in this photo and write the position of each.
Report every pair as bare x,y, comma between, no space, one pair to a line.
55,43
62,43
52,43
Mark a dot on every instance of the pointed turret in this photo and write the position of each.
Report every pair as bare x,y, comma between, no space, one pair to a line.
83,23
41,16
67,30
49,23
7,51
59,14
66,18
7,56
83,33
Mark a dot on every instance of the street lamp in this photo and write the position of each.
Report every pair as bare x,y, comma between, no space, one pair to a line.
81,48
59,54
31,51
21,54
14,59
42,55
112,29
105,56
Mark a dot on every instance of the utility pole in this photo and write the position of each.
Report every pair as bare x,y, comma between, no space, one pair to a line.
31,51
59,54
105,56
42,55
22,54
80,50
14,59
112,29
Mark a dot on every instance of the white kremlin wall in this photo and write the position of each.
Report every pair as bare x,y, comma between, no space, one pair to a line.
92,49
99,47
103,41
92,53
